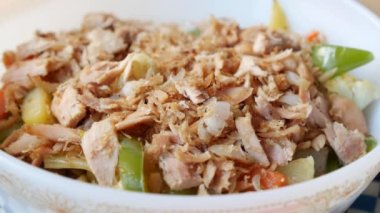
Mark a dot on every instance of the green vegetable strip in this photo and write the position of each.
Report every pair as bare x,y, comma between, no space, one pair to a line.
191,191
131,164
371,143
332,162
195,32
6,132
65,161
343,59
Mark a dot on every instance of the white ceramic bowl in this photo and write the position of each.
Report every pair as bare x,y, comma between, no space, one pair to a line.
344,22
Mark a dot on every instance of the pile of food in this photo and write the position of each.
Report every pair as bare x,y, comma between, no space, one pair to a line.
214,109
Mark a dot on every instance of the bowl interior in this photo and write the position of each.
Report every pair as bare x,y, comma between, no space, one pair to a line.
329,17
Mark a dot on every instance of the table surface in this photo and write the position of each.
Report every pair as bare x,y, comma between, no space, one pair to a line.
368,202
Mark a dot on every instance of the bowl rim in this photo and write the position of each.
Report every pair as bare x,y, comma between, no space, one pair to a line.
47,178
50,179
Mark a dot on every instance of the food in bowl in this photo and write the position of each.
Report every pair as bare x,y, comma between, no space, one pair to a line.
158,108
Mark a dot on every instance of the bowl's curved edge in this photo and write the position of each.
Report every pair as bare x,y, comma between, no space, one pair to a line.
58,193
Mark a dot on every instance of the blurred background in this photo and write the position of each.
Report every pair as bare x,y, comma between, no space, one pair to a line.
11,7
374,5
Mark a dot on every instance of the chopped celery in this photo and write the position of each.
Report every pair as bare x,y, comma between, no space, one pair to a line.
65,161
195,32
131,164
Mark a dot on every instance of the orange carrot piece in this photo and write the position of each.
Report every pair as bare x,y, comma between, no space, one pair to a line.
312,36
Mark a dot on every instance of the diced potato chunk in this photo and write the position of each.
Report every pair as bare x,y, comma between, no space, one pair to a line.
278,19
138,65
299,170
141,63
36,107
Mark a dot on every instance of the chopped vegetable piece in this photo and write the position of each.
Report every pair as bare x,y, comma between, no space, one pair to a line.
332,162
362,92
141,63
191,191
312,36
82,178
195,32
270,180
131,164
3,110
65,161
6,132
299,170
343,59
371,143
138,65
320,158
278,19
35,108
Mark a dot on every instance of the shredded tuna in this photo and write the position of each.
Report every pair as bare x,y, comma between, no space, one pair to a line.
194,94
319,116
348,144
10,107
97,20
177,174
54,132
265,109
223,175
346,112
25,143
102,73
66,106
34,47
300,111
214,121
250,141
101,149
290,98
103,44
260,44
19,73
235,95
269,91
248,66
140,117
293,78
160,144
231,151
100,104
280,152
291,131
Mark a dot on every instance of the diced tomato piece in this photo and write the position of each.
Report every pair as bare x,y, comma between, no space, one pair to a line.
3,112
272,179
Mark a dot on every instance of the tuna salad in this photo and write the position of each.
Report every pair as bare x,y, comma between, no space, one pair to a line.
214,108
